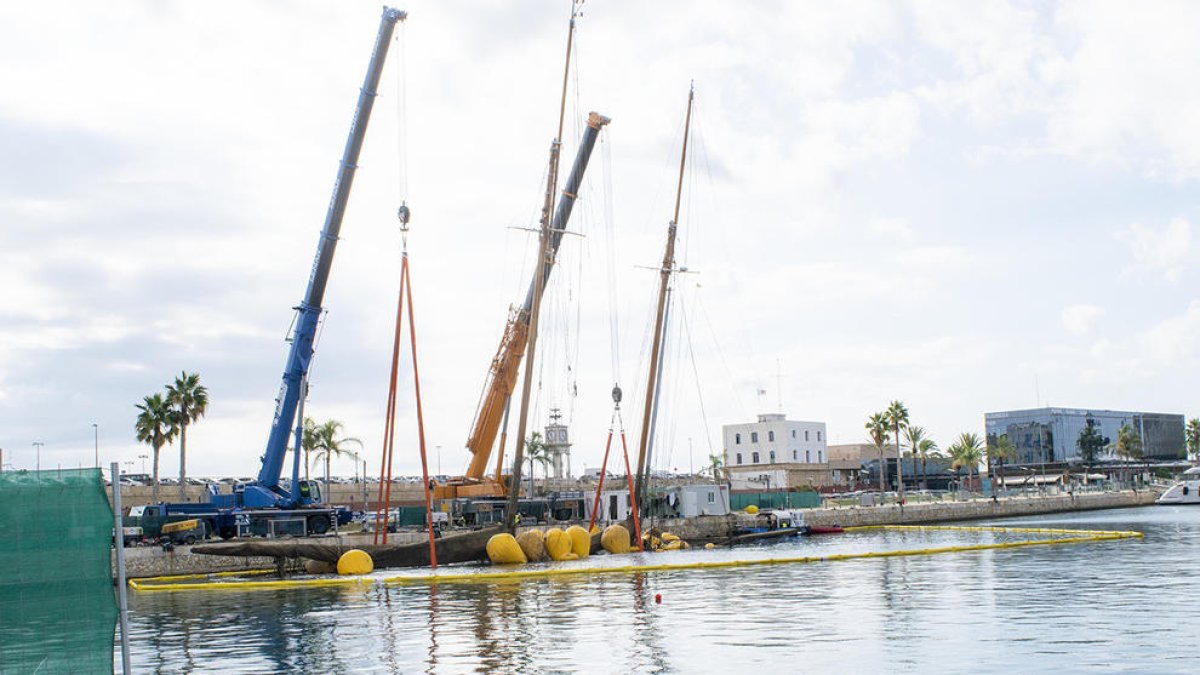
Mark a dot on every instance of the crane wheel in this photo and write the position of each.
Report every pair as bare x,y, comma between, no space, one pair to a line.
318,524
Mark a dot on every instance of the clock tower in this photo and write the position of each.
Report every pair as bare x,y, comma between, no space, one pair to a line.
558,444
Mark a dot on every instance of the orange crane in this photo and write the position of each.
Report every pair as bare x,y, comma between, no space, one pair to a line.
492,413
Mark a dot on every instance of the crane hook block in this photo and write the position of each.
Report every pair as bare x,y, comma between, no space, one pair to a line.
616,394
403,214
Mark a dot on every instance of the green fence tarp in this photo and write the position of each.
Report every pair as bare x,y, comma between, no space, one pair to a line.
57,608
803,499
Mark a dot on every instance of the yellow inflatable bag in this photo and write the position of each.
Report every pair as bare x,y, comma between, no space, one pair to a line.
355,561
581,541
503,549
615,539
532,545
752,509
667,537
558,544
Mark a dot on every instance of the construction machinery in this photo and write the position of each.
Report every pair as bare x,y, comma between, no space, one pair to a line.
265,502
492,414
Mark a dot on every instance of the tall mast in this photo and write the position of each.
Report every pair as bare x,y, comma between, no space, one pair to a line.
668,266
546,253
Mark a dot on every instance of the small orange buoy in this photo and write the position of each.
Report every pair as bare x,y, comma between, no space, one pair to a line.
658,598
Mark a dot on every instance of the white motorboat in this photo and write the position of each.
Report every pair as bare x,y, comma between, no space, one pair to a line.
1186,491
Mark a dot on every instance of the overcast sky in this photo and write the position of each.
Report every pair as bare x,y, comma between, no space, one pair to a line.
967,206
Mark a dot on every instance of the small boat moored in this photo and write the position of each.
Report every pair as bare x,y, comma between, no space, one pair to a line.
1186,491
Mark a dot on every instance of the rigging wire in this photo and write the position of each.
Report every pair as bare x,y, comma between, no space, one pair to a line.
401,114
687,329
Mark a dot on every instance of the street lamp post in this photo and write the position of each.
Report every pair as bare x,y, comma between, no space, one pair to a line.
143,458
38,445
96,437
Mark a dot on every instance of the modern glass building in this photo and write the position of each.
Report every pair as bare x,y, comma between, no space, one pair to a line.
1046,435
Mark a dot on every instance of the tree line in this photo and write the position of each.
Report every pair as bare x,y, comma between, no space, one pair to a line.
166,415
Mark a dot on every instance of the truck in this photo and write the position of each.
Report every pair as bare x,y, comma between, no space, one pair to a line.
265,506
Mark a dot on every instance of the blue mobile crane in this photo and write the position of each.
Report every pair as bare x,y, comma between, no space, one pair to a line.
264,504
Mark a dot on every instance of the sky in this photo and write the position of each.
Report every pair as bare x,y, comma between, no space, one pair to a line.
968,207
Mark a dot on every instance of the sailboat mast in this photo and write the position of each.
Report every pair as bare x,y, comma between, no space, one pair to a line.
545,260
668,266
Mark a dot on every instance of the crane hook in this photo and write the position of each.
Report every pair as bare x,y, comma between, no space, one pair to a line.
403,214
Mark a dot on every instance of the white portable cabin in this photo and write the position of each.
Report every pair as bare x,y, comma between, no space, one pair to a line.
687,500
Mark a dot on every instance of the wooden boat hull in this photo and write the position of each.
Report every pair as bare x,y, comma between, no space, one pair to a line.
456,548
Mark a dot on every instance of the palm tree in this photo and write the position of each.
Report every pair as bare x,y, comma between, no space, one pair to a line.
997,454
926,448
309,442
155,425
897,416
1128,445
536,453
327,445
189,401
1192,434
877,427
966,451
915,436
716,466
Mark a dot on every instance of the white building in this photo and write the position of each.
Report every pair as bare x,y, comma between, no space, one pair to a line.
685,501
776,452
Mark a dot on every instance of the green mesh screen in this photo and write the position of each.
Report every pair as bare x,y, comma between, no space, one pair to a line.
57,607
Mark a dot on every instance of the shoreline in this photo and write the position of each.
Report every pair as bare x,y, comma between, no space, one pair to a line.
142,562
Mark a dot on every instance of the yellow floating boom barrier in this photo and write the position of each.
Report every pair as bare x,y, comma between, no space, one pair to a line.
1065,536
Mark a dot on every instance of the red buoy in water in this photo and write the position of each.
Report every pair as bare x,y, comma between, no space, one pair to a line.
658,598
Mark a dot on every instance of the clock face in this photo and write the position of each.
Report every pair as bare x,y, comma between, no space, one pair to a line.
562,435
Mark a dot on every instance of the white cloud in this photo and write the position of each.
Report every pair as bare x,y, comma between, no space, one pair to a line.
1078,319
1166,250
1127,90
892,227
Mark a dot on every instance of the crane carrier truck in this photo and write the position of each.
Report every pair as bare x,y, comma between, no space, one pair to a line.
266,506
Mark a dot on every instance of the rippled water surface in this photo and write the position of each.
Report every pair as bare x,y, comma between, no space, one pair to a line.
1126,605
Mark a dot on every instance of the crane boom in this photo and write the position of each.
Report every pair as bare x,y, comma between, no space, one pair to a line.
502,376
267,491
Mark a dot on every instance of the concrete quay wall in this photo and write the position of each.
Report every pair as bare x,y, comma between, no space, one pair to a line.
976,509
714,527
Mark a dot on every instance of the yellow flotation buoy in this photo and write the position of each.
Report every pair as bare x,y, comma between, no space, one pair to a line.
581,541
752,509
503,549
710,546
355,561
615,539
668,537
558,544
533,545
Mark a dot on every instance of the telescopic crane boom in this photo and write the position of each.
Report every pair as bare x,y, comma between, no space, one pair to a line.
268,492
502,376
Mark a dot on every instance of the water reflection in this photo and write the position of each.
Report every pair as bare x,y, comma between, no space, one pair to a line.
1013,610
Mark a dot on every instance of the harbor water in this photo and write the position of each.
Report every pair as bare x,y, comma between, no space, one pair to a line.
1124,605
